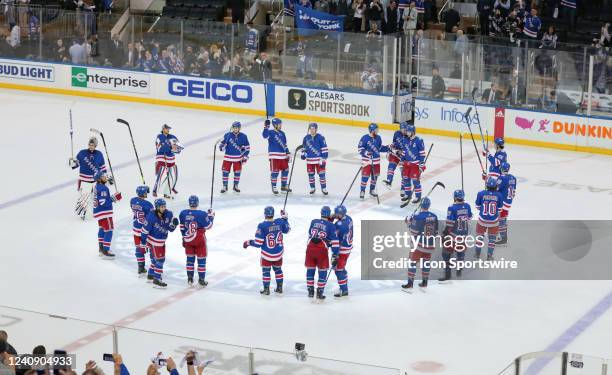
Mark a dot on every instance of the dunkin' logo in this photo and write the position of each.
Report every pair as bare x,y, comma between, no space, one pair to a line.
564,127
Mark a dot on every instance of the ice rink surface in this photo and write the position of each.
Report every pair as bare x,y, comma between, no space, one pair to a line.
49,260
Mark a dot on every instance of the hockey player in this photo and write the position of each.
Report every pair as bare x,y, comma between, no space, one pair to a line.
154,234
237,149
166,171
140,208
321,236
488,203
278,153
413,164
344,230
496,160
315,154
103,212
269,238
507,190
194,224
370,146
89,161
394,156
458,218
424,226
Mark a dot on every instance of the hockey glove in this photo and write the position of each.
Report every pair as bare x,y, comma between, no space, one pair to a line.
284,214
211,212
303,156
221,146
111,179
245,244
175,221
117,197
267,124
422,168
73,163
288,157
245,159
484,176
323,163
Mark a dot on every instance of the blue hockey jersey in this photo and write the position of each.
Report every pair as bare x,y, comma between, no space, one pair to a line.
194,223
315,148
140,208
424,227
413,150
458,218
252,40
370,148
532,26
496,161
344,229
155,230
164,144
236,146
103,202
507,189
269,238
325,231
90,162
488,204
277,143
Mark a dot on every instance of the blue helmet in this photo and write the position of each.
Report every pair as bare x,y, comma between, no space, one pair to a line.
404,125
340,211
372,127
459,195
499,142
159,202
505,166
236,124
313,125
276,121
142,190
269,211
491,182
194,201
411,128
99,175
166,126
425,203
325,211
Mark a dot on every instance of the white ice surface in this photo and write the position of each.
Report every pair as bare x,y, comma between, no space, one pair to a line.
49,263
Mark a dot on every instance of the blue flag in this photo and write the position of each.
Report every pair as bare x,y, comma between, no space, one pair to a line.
308,19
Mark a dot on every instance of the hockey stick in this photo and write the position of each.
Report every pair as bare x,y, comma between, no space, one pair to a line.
478,117
467,120
487,148
71,136
168,178
428,152
110,166
122,121
461,157
263,75
430,191
351,185
372,178
212,183
297,149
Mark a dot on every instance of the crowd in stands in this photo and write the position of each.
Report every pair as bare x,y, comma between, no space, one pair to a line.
156,365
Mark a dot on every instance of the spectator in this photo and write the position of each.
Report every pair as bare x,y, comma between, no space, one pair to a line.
369,79
304,68
512,26
544,63
497,24
549,102
342,9
251,43
78,53
490,95
108,6
374,14
451,18
503,6
429,12
5,48
266,67
322,6
605,39
438,87
6,367
549,39
569,13
461,45
410,18
9,347
373,42
420,7
532,25
484,7
237,7
116,52
391,18
359,8
15,36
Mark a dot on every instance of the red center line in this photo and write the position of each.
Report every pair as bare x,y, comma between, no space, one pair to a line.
228,272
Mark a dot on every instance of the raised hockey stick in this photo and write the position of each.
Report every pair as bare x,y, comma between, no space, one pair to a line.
461,157
428,152
487,148
430,191
122,121
477,116
297,149
351,185
212,183
71,135
467,120
110,166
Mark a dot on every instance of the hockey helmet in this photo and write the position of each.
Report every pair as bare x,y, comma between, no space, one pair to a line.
491,182
505,166
340,211
459,195
499,141
425,203
404,125
269,212
236,124
411,129
372,127
159,203
325,211
98,175
313,125
166,126
93,141
142,190
276,122
194,201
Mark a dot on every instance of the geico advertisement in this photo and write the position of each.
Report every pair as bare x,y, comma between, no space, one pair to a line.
335,104
558,128
205,91
451,115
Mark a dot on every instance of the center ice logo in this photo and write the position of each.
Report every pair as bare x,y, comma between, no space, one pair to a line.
79,77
